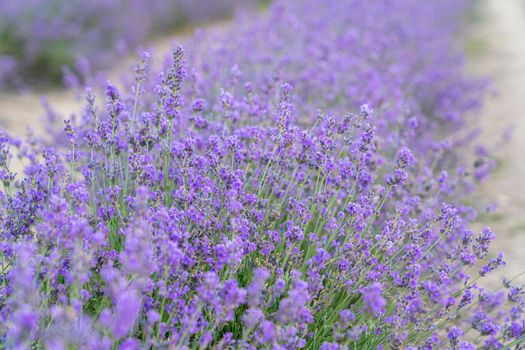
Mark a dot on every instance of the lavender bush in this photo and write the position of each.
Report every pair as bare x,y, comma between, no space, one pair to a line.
41,38
294,183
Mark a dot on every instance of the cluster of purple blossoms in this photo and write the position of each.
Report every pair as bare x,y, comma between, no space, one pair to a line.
247,197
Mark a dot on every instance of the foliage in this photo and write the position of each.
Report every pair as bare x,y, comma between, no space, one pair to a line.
247,197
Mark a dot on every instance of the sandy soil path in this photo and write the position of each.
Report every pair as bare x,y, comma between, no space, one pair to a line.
497,49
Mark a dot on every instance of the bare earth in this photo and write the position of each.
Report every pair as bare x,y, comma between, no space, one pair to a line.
497,49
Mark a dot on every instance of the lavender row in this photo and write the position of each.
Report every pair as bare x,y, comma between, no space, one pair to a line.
44,41
296,182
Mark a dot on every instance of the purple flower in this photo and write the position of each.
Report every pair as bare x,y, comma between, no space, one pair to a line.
329,346
130,344
493,264
126,313
252,317
483,241
293,307
400,176
257,286
373,300
347,316
267,329
466,346
454,334
198,105
24,325
482,323
405,158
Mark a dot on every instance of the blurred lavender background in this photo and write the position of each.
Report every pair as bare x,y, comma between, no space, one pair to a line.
41,41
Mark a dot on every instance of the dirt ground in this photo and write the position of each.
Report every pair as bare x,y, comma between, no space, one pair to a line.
496,49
